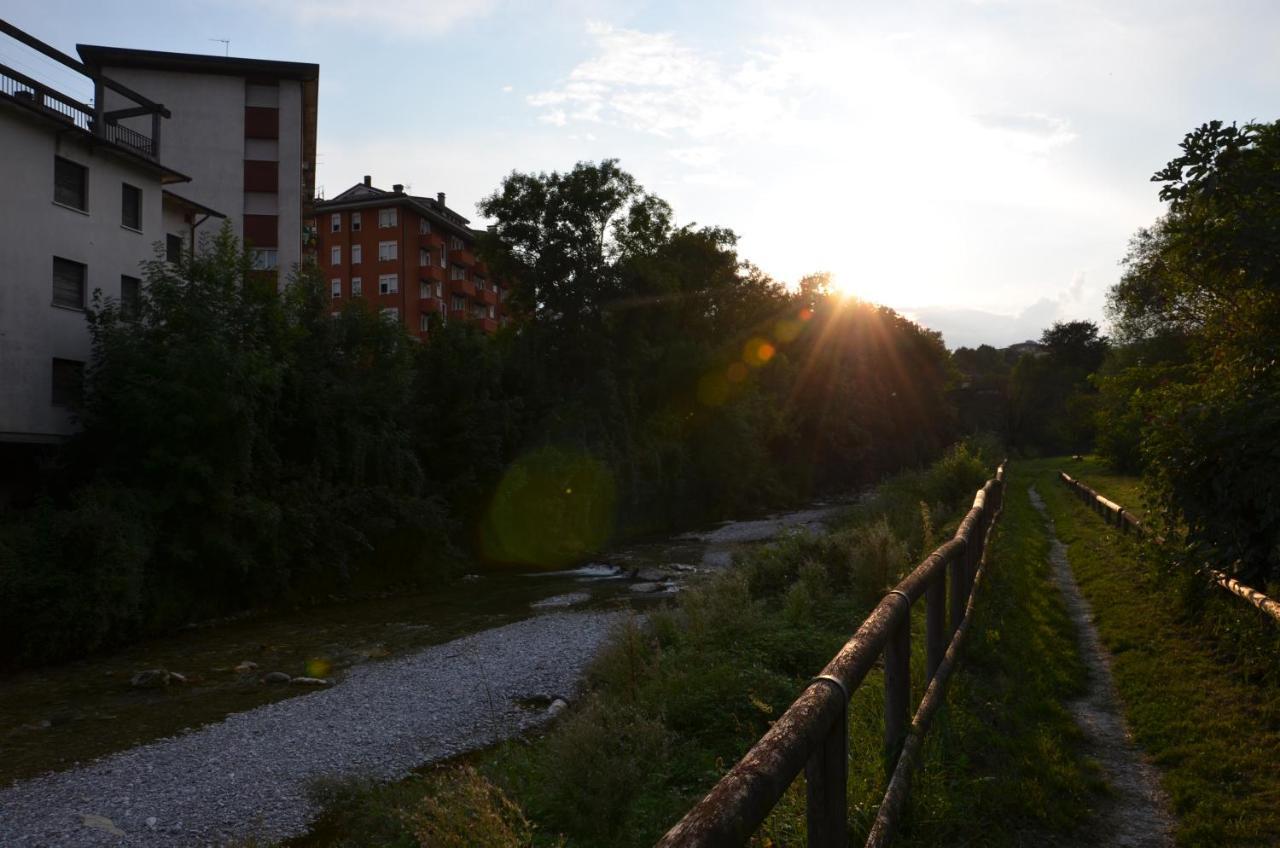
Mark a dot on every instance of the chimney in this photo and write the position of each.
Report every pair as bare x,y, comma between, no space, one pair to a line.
440,199
398,188
368,180
493,228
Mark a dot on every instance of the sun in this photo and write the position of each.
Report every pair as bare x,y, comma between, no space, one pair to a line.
841,285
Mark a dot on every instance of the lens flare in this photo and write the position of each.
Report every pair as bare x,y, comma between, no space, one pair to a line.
737,372
713,390
757,352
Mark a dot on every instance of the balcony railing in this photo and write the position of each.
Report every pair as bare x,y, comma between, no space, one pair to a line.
465,287
57,105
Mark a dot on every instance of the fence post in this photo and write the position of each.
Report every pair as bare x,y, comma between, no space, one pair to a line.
826,776
897,684
935,636
959,598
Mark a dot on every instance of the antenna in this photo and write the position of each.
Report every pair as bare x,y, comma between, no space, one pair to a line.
226,44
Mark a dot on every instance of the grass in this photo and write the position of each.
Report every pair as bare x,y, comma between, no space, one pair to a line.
1206,711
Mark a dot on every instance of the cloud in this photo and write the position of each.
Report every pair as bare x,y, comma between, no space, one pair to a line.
394,18
1034,132
969,327
652,83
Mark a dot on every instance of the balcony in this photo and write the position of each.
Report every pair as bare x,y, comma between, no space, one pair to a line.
429,304
489,325
489,297
463,287
431,271
465,256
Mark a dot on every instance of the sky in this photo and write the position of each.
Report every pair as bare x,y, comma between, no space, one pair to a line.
978,165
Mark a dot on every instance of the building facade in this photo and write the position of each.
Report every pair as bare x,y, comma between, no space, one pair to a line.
85,204
244,130
411,257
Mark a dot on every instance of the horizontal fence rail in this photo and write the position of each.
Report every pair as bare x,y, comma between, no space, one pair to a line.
812,735
1114,513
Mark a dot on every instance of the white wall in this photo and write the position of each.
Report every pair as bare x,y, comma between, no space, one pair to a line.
32,331
205,137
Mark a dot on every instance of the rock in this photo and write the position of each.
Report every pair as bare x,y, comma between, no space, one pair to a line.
151,822
42,724
175,677
470,577
152,678
645,588
307,681
561,600
276,677
651,575
101,823
246,667
558,706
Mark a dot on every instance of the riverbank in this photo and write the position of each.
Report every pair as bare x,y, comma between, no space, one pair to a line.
249,777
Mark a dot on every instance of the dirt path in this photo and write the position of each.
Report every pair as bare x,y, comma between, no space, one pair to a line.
1137,813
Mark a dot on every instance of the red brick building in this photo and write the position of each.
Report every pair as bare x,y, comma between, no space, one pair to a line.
412,257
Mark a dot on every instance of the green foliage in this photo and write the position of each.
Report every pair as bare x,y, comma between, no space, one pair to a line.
1206,276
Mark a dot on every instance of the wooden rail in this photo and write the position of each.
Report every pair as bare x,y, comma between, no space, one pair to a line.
1114,513
813,735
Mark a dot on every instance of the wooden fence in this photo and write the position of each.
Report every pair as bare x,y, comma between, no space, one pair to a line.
813,736
1113,513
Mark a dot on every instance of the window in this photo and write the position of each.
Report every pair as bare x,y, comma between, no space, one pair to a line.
424,257
355,254
173,248
440,290
424,289
335,255
68,283
491,311
355,222
455,243
422,322
388,284
264,258
479,283
335,289
357,287
424,226
387,249
457,272
459,303
130,296
497,292
131,206
70,184
392,312
386,218
66,383
444,259
335,222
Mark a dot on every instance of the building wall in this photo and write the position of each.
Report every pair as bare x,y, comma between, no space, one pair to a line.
33,331
407,265
205,137
226,132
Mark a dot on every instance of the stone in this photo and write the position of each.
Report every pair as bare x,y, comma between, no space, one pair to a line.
308,681
651,575
558,706
645,588
175,677
152,678
102,823
276,677
246,667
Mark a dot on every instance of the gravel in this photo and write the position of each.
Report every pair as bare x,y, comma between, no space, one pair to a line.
247,777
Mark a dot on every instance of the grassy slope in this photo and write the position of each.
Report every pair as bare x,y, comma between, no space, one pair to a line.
1210,724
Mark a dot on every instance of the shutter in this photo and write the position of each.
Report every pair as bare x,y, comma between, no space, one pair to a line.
68,183
68,283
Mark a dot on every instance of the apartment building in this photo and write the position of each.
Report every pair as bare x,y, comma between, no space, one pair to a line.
243,130
85,201
412,257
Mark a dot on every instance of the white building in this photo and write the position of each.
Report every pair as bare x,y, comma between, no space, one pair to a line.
85,203
244,130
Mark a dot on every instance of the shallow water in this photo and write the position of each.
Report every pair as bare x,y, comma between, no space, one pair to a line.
54,718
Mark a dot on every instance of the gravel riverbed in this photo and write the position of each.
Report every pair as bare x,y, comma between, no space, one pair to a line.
247,777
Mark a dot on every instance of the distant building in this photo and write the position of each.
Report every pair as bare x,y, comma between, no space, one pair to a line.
86,199
411,257
244,130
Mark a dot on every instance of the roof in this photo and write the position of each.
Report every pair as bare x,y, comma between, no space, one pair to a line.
99,56
191,204
361,195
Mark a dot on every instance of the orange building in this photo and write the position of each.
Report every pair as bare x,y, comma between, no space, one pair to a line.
412,257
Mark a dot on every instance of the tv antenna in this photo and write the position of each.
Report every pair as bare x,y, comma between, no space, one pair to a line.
226,45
